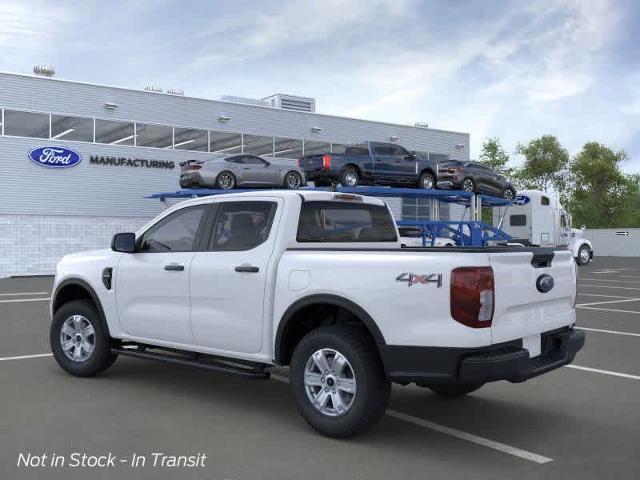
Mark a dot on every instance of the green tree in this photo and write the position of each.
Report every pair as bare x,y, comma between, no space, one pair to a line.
601,194
545,164
494,156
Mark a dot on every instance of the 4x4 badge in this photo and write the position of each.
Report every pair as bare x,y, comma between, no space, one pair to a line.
415,278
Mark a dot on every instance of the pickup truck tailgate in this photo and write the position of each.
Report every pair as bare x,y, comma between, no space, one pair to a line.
311,163
521,309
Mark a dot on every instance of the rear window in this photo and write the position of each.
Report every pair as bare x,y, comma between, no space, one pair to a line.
345,222
517,220
357,150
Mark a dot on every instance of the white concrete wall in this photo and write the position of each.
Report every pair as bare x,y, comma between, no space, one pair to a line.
614,242
33,244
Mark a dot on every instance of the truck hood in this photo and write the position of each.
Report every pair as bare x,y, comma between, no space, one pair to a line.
96,257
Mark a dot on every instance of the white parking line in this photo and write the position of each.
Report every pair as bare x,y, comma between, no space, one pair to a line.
19,294
453,432
609,280
617,310
580,284
600,295
46,299
616,332
605,372
607,301
23,357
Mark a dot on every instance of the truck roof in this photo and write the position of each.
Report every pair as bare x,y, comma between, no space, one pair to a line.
307,195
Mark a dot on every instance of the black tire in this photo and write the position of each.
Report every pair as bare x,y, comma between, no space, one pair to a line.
221,183
509,194
583,258
427,179
288,184
373,387
101,357
468,185
349,177
453,390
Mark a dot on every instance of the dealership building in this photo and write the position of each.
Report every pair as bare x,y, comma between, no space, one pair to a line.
126,144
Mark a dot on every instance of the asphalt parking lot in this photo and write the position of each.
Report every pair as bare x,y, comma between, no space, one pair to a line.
580,422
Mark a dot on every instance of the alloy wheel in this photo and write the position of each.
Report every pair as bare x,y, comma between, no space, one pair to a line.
330,382
351,179
467,185
77,338
226,181
293,180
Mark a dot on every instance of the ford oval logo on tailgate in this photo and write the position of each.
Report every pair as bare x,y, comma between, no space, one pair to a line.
55,157
544,283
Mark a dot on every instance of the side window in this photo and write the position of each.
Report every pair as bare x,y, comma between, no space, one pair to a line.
251,160
544,201
345,222
236,159
174,233
241,225
518,220
397,150
380,149
563,221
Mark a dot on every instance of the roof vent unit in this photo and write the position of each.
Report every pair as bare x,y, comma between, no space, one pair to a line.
44,71
175,91
245,100
292,102
153,88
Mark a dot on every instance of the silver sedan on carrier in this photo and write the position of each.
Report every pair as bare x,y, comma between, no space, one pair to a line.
228,172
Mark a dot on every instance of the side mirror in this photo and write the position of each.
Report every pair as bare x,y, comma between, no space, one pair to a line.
124,242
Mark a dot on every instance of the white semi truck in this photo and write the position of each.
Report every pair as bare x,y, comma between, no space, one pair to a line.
537,219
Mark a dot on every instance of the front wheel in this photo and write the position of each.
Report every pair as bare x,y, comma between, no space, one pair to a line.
79,341
468,185
584,255
338,381
427,181
453,390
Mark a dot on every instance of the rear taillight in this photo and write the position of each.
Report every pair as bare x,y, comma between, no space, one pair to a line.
298,162
326,161
454,170
472,296
195,167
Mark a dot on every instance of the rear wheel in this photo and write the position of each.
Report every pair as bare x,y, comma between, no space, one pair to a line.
468,185
427,181
226,180
508,193
79,341
293,180
453,390
584,255
338,381
349,177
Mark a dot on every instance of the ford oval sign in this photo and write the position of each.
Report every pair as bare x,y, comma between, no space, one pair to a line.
521,200
55,157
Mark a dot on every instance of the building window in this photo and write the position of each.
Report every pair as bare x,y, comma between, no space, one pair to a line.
338,148
225,142
114,133
312,147
157,136
257,145
26,124
71,128
190,139
416,209
287,148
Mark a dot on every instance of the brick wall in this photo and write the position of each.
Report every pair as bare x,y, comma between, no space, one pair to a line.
33,244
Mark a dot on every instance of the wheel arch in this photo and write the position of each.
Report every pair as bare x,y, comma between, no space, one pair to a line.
77,289
291,326
430,171
355,166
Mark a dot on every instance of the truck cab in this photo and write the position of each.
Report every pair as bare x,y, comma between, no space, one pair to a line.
538,219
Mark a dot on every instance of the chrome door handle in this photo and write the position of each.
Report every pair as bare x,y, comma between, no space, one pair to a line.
247,269
174,267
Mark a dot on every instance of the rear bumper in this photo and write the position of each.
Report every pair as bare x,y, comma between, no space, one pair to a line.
191,179
506,361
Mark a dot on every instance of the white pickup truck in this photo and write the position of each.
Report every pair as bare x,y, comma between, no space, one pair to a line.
316,281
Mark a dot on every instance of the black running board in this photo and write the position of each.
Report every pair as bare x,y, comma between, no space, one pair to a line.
242,369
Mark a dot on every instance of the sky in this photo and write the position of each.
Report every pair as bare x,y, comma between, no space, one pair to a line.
508,69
